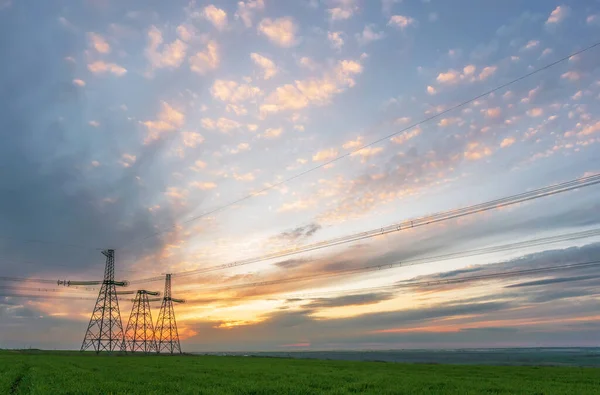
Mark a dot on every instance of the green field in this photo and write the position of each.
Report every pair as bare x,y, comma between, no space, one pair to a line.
73,373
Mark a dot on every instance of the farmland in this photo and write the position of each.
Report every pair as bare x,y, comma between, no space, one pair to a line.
35,372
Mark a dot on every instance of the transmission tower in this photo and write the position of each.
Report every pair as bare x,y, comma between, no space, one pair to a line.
105,331
166,327
139,335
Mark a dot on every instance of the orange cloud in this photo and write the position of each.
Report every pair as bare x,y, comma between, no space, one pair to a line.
493,112
216,16
204,61
231,91
325,155
268,67
168,120
507,142
98,43
100,67
401,21
353,143
404,137
476,151
319,91
281,31
170,56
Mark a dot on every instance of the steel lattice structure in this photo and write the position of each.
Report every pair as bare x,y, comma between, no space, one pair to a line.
105,330
139,335
166,326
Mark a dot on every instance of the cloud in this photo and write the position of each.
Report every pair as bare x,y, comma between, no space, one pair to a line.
236,109
98,43
590,129
308,63
272,133
368,35
353,144
431,90
325,155
558,15
243,177
530,45
452,76
405,136
246,9
168,120
216,16
241,147
317,91
198,165
367,152
99,67
571,76
280,31
94,123
449,121
487,72
401,21
297,205
186,32
344,9
204,61
268,66
449,77
231,91
167,55
192,139
349,300
78,82
535,112
127,160
64,199
224,125
205,186
476,151
507,142
592,19
336,40
493,112
297,234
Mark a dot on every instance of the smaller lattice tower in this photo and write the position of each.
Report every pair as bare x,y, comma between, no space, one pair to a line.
167,337
139,335
105,330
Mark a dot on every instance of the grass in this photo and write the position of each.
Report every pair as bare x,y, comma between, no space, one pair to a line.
35,372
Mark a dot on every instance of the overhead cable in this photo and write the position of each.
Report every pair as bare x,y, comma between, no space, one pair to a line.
350,153
417,261
407,224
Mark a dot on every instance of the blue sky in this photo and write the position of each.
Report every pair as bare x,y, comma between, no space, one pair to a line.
123,120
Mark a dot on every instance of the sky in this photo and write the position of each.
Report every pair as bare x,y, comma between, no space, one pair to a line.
187,135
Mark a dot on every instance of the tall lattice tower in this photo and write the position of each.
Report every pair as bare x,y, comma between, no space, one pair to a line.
105,331
166,327
139,335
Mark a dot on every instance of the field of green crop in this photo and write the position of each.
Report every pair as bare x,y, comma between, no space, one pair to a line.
75,373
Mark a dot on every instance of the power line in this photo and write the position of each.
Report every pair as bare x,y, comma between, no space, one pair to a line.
347,154
418,261
429,283
407,224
